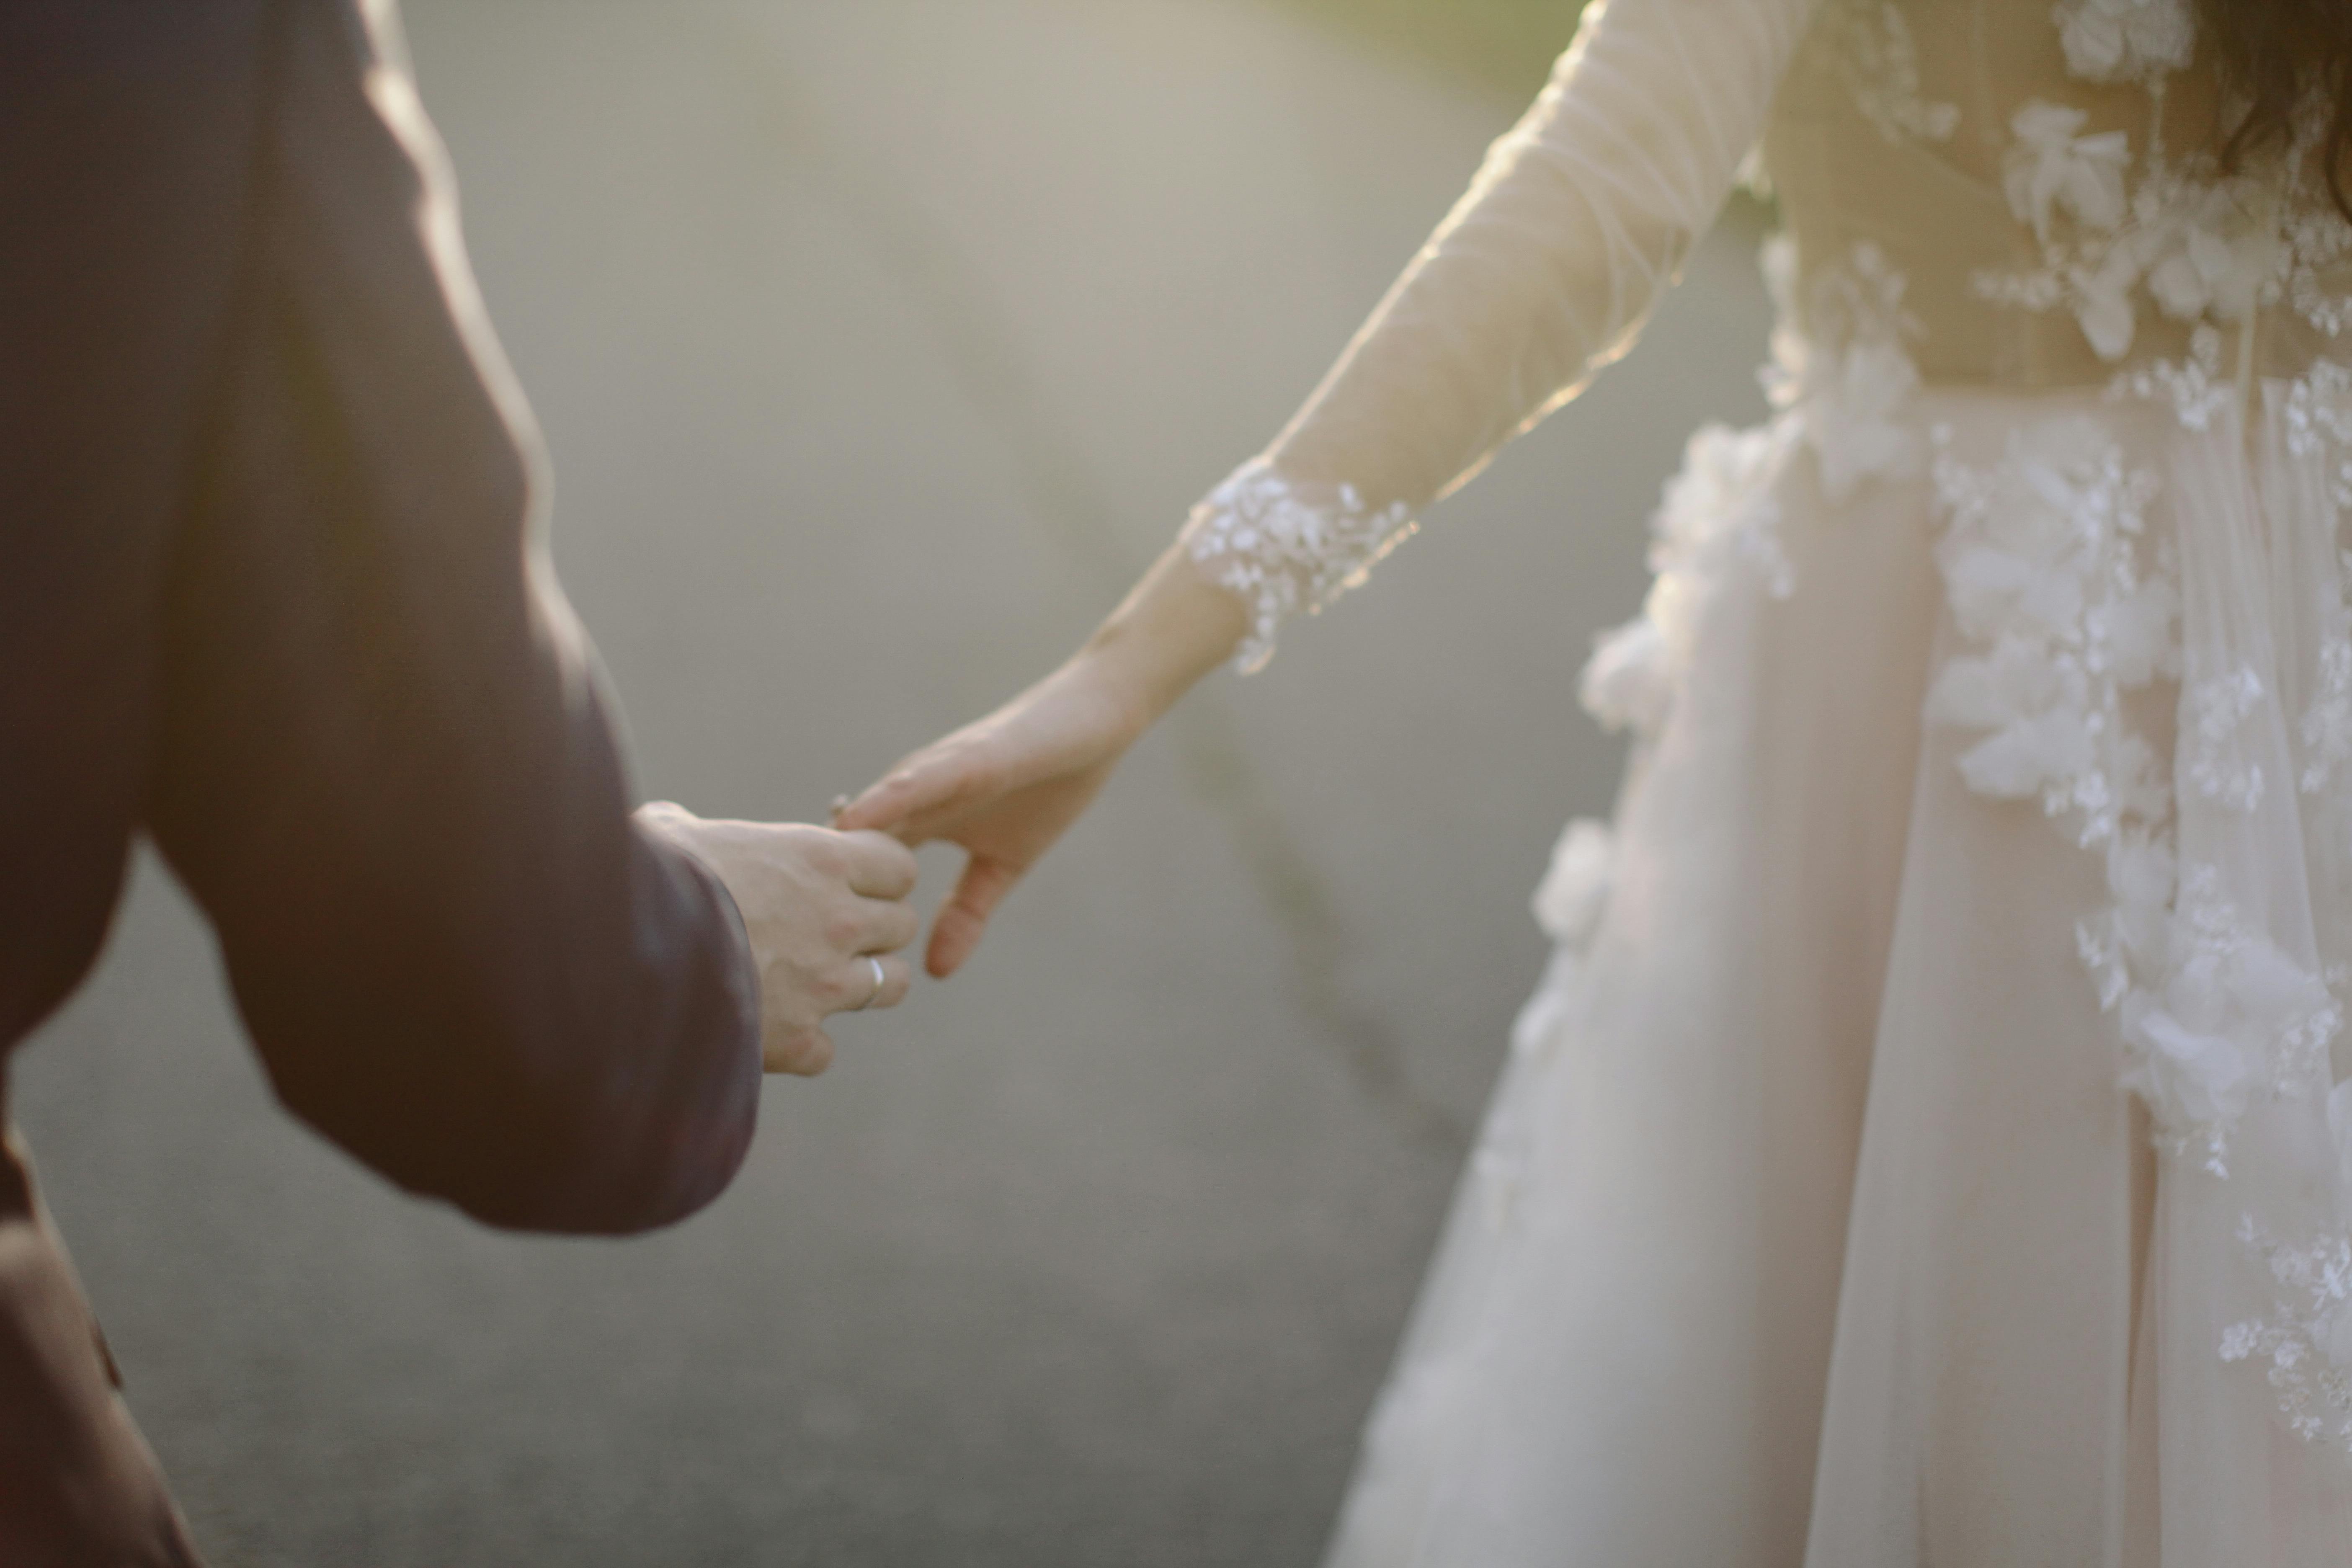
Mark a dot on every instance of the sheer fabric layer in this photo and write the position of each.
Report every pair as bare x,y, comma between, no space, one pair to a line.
2044,362
1579,219
1628,1341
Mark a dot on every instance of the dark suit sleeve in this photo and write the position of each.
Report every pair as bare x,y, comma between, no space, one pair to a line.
386,769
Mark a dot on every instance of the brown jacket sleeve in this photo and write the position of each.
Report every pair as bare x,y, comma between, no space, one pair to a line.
383,765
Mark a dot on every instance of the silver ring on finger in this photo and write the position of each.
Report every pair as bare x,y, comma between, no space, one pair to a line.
881,980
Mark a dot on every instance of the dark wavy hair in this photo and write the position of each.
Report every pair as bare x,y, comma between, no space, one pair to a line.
2283,59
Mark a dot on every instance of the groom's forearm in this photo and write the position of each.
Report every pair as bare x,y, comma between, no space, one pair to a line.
385,767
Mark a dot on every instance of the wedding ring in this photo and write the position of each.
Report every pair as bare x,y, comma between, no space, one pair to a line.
881,980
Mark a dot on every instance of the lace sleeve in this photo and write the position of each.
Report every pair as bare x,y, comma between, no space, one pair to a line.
1576,222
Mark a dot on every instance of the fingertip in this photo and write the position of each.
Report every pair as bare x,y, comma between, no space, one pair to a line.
815,1056
947,950
807,1056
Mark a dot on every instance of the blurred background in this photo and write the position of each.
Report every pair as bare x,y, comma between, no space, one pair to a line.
879,342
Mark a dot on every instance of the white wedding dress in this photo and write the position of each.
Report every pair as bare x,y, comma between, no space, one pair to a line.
1923,1149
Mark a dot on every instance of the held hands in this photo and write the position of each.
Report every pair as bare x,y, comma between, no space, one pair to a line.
1004,788
823,910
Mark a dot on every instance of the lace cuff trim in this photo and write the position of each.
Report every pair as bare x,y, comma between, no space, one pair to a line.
1262,538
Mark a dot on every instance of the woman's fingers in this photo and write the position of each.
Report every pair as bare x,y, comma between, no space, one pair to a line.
964,917
879,867
925,784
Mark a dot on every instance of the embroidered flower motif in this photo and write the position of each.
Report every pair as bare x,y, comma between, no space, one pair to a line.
2133,928
2213,710
2231,1016
2051,166
1628,683
2317,241
2327,726
1880,63
2318,415
2195,385
2103,306
2306,1337
2211,269
1843,370
1283,552
2118,40
2040,564
1718,517
2070,606
2208,247
2052,170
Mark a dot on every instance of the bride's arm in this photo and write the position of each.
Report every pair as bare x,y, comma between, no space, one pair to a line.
1579,220
1576,223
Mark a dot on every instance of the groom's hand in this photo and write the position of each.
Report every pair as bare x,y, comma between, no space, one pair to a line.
823,910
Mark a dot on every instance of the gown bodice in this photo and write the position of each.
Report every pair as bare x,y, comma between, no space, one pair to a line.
2044,180
2009,194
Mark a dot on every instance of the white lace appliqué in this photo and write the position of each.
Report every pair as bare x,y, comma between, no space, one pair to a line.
1718,518
2124,41
1842,369
2306,1339
2215,708
2116,227
2042,562
1879,62
2068,597
2071,607
1283,553
1843,380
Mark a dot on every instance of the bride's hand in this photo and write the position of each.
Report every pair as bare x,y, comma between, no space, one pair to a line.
1004,788
1007,787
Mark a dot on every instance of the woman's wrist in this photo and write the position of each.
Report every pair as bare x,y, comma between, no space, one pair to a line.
1176,626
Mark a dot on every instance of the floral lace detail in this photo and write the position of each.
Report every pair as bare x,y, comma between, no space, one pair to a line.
2041,561
2307,1336
1261,538
1843,383
2318,415
2072,607
2232,1016
2317,241
1845,375
1718,518
2195,385
2124,41
2198,246
1879,62
2216,708
2327,727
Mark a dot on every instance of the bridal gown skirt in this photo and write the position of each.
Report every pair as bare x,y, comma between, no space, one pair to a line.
1809,1222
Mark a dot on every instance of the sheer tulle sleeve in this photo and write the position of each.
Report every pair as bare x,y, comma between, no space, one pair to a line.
1578,221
